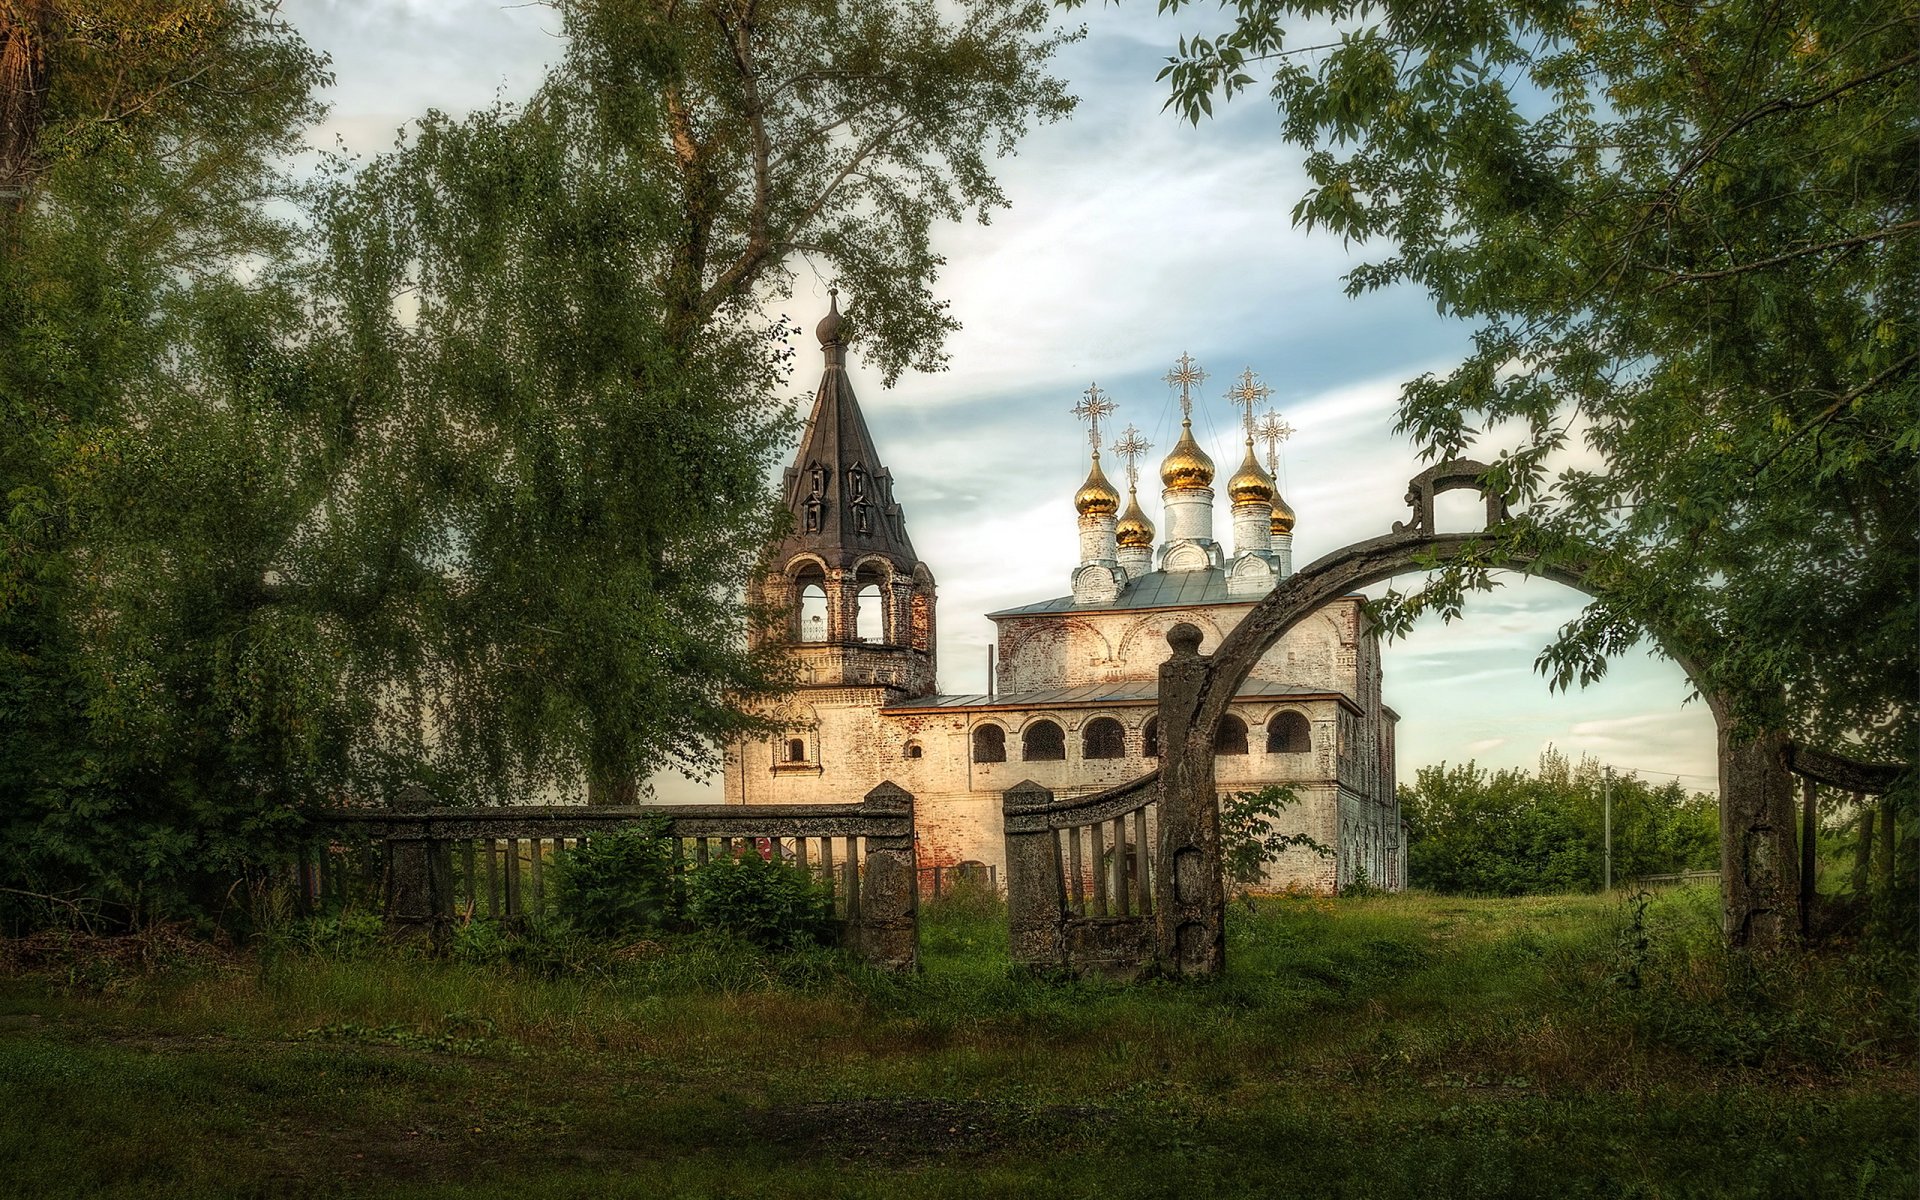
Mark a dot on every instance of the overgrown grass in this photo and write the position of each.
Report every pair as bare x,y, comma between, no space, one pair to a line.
1392,1046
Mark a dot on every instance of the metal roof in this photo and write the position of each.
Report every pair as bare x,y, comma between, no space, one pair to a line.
1155,589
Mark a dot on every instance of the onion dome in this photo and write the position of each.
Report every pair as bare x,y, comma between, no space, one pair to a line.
1282,520
1188,466
828,330
1134,531
1096,496
1251,484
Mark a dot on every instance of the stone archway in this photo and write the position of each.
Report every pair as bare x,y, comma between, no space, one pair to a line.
1759,866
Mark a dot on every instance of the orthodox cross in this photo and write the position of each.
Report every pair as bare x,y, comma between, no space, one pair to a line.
1133,448
1186,375
1093,405
1248,393
1272,430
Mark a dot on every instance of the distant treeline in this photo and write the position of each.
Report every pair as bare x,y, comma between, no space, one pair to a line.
1511,832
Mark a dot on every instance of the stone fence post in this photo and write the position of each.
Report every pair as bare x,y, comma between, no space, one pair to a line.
1036,887
419,880
888,932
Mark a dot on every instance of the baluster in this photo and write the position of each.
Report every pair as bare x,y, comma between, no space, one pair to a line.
493,879
1073,872
701,852
1141,860
853,879
513,877
467,866
800,853
826,866
774,843
1120,862
1099,870
535,852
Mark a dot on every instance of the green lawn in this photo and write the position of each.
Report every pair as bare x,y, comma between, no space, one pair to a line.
1400,1046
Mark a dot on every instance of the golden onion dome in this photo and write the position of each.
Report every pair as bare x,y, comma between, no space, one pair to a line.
1134,531
1188,466
1251,484
1282,520
1096,496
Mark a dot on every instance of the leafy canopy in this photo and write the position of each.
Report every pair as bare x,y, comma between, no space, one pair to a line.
1686,238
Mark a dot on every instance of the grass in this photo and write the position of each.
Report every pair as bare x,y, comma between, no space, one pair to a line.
1394,1046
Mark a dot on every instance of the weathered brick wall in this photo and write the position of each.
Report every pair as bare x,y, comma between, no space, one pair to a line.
853,744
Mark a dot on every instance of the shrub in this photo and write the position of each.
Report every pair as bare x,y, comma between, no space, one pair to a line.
1248,840
771,904
618,885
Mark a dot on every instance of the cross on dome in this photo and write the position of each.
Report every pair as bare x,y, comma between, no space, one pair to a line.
1248,393
1133,448
1272,430
1186,375
1093,405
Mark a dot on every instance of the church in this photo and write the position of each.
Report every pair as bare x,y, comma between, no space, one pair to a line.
1074,692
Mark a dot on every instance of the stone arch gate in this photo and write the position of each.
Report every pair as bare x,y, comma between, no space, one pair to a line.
1762,900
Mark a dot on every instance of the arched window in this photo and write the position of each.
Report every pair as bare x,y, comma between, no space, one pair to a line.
796,749
1231,736
870,615
989,744
1043,741
1103,738
1288,733
813,611
1150,738
913,750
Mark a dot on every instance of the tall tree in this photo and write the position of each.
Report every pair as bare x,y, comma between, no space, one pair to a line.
1687,237
137,142
456,483
577,401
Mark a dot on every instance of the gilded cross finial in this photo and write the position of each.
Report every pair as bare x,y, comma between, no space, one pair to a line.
1248,393
1186,375
1133,448
1272,430
1093,405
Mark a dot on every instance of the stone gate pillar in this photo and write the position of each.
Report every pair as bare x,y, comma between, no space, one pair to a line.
1189,898
1036,889
889,926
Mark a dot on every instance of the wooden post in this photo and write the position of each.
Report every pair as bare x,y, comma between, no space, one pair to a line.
1809,834
1886,845
1863,850
1189,898
1036,893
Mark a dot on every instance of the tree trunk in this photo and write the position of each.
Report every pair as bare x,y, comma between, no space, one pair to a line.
1759,871
1886,845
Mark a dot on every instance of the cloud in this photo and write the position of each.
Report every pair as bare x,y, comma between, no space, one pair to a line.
1132,237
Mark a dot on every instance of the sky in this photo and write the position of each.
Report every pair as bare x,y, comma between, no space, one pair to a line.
1132,237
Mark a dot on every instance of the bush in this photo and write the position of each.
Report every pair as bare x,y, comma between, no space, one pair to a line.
618,885
772,904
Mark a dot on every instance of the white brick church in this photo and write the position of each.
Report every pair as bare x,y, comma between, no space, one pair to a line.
1073,702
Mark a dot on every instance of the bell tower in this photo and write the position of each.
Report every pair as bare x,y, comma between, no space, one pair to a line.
859,603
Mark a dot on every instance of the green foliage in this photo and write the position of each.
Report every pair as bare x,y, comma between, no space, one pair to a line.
1685,238
618,885
768,902
1248,840
152,737
453,481
1512,833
